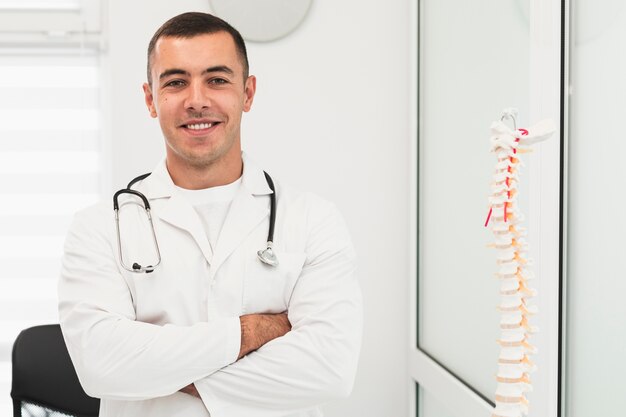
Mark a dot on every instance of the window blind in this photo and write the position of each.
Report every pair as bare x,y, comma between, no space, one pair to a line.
51,22
50,167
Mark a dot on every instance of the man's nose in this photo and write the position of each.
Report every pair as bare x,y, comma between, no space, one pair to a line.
197,97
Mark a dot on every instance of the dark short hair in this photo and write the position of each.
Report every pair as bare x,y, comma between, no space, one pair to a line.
188,25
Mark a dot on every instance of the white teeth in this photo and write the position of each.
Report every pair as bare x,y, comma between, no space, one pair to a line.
199,126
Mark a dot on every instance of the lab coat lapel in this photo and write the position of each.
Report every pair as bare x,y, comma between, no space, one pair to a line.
179,213
244,215
176,210
247,210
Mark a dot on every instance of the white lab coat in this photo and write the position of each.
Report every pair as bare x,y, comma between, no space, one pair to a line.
137,339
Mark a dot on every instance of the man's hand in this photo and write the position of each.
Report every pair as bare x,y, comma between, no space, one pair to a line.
191,390
258,329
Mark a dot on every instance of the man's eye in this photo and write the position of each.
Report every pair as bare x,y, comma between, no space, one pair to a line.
175,83
218,81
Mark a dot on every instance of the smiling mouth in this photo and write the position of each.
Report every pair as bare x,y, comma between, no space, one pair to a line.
200,126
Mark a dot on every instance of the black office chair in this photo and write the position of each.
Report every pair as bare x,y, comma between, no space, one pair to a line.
44,380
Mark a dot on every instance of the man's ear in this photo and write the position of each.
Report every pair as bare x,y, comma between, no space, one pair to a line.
250,89
147,91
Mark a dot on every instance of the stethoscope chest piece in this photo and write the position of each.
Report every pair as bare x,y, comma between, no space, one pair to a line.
267,255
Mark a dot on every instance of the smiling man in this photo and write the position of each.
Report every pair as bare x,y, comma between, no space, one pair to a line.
198,88
213,326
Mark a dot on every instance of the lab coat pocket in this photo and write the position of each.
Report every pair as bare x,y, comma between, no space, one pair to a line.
267,289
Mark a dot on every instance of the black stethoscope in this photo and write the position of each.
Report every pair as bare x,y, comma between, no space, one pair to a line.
267,255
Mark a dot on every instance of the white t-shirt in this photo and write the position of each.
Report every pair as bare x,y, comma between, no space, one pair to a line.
212,205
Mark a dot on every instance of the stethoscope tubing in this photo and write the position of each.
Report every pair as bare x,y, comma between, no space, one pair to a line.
270,233
135,266
267,256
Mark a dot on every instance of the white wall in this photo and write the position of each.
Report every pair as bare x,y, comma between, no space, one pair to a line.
331,115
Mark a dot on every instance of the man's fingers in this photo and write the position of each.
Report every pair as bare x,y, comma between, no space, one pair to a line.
258,329
191,390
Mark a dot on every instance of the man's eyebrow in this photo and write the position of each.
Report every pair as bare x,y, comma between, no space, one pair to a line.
178,71
173,71
219,68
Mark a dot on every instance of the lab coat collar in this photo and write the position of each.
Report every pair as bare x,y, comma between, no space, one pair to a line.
253,178
159,184
246,211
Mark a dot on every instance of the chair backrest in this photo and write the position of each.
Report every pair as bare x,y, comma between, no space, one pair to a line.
43,375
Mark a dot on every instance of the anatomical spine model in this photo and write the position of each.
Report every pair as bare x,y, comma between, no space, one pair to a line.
514,364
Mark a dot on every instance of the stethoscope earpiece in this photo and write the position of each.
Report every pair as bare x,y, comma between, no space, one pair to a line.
139,268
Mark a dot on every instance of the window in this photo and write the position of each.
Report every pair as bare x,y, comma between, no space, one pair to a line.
50,156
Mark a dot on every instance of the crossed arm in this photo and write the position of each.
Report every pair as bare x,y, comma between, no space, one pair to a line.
256,330
119,358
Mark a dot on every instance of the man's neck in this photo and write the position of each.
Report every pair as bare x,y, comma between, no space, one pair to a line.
198,178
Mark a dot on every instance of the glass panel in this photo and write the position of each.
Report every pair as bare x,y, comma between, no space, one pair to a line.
474,61
429,406
596,284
